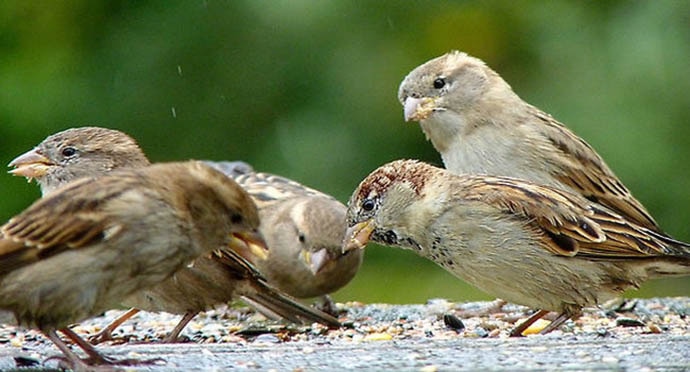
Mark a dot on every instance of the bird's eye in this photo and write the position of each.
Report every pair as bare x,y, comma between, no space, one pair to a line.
302,238
236,218
439,83
368,205
69,151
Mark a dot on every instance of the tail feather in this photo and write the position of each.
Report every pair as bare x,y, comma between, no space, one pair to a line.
269,301
274,305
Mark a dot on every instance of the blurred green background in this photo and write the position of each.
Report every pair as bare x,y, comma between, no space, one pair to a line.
307,90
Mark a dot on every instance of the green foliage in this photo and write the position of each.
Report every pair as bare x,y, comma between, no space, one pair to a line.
308,90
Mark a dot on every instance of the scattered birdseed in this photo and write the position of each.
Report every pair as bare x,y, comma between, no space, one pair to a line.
629,322
375,322
453,322
536,327
26,361
378,337
431,368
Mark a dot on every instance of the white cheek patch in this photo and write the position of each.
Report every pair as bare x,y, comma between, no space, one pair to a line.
297,213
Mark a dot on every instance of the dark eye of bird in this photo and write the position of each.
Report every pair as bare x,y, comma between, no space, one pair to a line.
302,238
439,83
368,205
236,218
69,151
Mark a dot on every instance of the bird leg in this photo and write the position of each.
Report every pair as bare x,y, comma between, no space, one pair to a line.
96,358
325,303
74,362
107,333
562,318
172,337
517,331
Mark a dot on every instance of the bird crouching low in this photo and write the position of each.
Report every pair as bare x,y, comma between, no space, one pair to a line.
529,244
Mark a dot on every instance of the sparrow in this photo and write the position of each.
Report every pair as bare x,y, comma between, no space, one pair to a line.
76,153
480,126
92,243
530,244
210,281
304,229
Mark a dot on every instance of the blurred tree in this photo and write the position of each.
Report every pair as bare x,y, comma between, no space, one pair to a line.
308,90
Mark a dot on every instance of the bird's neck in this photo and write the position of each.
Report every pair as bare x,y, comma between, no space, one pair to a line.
444,130
475,142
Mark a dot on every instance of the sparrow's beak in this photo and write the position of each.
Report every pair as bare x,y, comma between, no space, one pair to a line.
31,164
357,236
417,109
250,245
316,261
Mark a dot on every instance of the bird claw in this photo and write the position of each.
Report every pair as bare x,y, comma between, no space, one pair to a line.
325,303
101,337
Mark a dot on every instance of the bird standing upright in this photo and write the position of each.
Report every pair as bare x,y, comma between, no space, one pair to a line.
480,126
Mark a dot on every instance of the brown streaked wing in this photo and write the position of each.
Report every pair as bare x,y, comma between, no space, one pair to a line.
267,188
585,171
629,240
68,219
574,226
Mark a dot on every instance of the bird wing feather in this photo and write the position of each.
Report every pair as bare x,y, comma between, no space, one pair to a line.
266,188
69,219
572,225
583,170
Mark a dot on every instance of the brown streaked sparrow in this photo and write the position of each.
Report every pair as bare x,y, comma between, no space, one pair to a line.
480,126
210,281
92,243
533,245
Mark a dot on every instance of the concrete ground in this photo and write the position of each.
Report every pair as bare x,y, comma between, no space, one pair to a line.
642,335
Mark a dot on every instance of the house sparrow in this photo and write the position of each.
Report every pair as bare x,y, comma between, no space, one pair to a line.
210,281
76,153
533,245
90,244
480,126
304,229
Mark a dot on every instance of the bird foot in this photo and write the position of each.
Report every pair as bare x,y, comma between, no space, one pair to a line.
100,337
328,308
326,304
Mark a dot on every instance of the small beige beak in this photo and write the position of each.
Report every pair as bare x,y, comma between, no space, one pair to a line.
357,236
417,109
316,261
250,245
31,164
